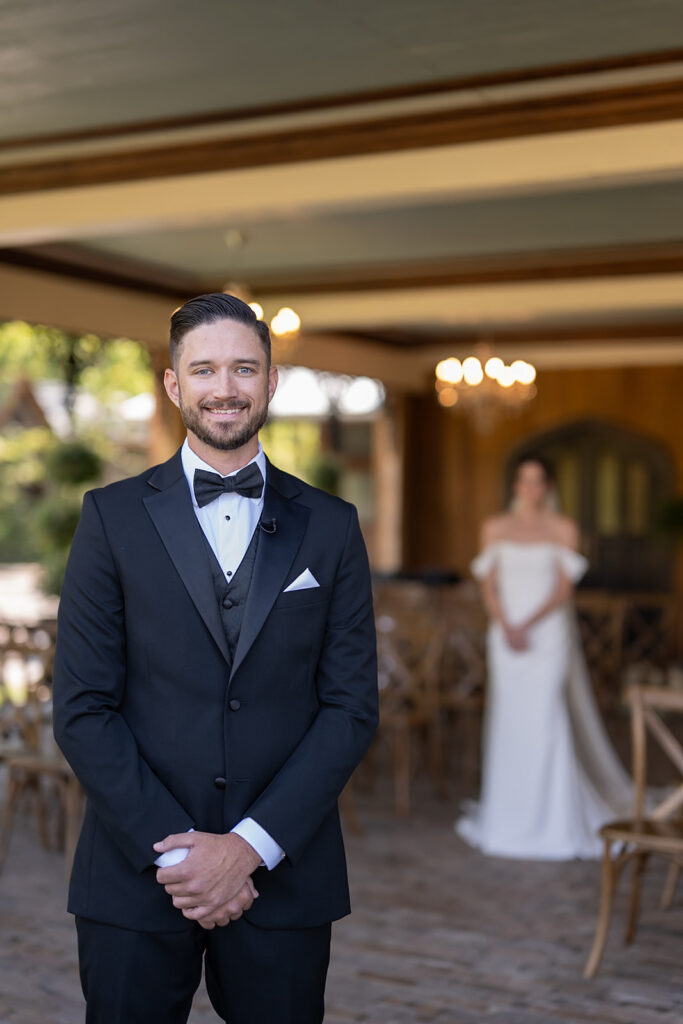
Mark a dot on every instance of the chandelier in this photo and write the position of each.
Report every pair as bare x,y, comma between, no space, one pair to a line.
284,326
485,388
286,323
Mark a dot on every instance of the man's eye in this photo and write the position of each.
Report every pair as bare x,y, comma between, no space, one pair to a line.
203,371
245,369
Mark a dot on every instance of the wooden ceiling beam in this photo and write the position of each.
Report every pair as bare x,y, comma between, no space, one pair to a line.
40,297
79,263
404,360
540,265
542,115
592,159
615,331
588,262
462,83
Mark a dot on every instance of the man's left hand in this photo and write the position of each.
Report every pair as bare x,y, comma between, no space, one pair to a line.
213,874
231,911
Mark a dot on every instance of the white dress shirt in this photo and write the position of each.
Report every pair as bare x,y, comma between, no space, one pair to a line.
228,523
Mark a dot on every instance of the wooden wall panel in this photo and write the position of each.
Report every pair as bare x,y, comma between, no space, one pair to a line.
455,475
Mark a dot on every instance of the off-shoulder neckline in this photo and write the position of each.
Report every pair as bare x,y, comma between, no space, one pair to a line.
532,544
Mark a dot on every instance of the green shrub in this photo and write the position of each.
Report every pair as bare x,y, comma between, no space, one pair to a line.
73,463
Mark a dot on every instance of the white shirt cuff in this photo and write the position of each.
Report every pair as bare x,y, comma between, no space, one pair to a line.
171,857
268,850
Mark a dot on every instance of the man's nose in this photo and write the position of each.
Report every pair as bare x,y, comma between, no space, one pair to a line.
225,385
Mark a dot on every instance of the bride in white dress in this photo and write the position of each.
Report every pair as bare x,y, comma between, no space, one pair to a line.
550,775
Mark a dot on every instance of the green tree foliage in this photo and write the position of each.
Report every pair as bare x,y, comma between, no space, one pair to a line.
293,445
22,486
43,478
38,353
108,370
121,370
42,482
296,446
73,463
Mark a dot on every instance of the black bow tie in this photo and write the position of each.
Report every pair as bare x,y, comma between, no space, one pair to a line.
208,486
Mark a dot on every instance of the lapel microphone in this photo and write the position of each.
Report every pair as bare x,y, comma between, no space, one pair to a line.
268,525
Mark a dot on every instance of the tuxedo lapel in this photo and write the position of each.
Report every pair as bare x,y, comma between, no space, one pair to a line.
171,511
275,554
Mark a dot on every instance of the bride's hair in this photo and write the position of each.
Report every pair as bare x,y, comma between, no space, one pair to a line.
540,460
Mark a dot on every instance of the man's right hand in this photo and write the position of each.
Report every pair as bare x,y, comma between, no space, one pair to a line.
215,871
232,910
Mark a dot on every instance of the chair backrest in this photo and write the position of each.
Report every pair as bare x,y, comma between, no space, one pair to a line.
601,626
621,633
647,704
26,657
464,663
431,644
411,655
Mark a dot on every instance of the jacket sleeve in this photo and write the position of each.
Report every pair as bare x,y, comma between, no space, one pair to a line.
306,789
89,683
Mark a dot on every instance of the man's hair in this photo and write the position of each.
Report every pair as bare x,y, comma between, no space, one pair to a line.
209,309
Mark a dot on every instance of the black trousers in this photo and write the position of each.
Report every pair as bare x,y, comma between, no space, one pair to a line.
253,975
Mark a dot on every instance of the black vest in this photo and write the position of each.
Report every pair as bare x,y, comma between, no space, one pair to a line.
232,596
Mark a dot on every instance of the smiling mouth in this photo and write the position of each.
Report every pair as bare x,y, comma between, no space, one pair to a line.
233,411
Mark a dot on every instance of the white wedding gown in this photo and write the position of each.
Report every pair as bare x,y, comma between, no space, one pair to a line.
550,776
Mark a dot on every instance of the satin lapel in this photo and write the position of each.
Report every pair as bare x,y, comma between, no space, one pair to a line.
274,557
173,515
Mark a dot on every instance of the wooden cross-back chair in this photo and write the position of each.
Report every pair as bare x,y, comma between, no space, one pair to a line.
648,630
25,669
657,830
31,761
410,652
463,675
601,626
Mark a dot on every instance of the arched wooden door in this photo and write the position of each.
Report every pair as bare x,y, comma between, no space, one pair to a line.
612,481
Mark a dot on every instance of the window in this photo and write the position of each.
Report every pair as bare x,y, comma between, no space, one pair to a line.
612,482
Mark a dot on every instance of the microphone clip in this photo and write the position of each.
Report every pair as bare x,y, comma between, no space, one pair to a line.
268,525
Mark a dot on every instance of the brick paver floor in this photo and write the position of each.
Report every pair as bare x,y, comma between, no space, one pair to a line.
439,935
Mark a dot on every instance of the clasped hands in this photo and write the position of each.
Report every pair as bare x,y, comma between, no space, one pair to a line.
213,884
517,637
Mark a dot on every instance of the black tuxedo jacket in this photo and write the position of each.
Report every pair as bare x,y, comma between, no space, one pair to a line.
149,711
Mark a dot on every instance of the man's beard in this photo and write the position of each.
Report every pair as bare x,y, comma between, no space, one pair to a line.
225,437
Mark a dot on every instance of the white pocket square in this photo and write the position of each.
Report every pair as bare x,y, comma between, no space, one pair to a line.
305,581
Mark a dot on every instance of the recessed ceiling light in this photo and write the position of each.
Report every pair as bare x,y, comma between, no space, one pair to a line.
233,238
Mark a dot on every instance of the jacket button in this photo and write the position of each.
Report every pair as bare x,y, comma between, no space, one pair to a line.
219,782
227,602
234,705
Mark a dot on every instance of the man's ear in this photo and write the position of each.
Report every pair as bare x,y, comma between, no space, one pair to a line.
272,381
171,385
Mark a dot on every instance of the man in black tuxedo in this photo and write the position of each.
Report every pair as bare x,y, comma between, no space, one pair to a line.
215,685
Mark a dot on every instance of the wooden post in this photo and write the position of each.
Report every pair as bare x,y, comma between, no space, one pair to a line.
167,431
387,460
